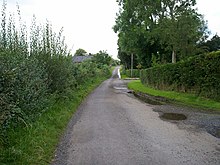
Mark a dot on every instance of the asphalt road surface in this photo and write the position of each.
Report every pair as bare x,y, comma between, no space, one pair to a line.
112,127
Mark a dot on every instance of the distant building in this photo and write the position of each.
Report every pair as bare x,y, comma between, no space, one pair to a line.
79,59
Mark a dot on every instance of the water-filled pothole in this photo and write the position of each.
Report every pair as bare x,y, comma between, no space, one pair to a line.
173,116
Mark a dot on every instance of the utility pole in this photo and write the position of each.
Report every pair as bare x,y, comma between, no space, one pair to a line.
132,60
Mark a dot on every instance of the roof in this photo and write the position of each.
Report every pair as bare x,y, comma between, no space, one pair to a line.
79,59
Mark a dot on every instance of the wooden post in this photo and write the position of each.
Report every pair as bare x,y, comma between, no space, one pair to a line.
173,57
132,60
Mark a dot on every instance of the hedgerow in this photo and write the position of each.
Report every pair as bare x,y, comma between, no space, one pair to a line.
199,75
135,73
33,70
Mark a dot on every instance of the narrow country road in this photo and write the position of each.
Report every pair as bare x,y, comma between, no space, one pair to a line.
112,127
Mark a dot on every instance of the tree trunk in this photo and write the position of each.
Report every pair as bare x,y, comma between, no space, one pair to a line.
173,56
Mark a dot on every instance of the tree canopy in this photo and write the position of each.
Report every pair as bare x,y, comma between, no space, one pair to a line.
212,44
102,58
158,28
80,52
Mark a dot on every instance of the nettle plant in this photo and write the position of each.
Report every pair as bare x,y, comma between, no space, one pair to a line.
35,66
32,66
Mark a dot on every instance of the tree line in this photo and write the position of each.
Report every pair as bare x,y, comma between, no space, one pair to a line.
102,57
160,31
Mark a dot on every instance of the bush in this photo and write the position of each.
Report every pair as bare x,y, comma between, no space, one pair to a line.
136,73
34,74
31,71
23,90
199,75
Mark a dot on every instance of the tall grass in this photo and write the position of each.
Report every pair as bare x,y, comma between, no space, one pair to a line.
27,73
36,143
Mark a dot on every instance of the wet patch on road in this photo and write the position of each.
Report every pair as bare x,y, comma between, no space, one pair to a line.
148,99
173,116
218,133
120,88
215,132
200,120
115,76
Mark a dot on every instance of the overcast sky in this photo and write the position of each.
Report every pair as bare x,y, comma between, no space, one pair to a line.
88,23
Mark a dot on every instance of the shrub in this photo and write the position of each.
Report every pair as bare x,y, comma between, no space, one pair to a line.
199,75
31,71
135,73
23,90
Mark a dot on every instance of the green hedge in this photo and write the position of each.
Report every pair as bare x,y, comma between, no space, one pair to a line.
136,73
199,75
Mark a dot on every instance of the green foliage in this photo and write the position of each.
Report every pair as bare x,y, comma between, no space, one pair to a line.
23,79
126,59
60,77
177,97
211,45
115,62
33,70
23,88
89,69
155,60
36,143
135,73
102,58
199,75
80,52
158,27
175,34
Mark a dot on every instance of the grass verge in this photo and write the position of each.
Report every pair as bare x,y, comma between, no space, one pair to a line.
182,98
123,76
35,144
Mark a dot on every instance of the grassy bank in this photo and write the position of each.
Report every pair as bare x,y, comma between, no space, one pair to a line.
183,98
36,143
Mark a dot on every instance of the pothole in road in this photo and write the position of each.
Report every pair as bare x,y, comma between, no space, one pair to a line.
173,116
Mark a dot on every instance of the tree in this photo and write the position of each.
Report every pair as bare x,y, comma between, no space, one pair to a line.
134,32
80,52
158,27
211,45
135,25
125,59
102,58
181,28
